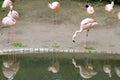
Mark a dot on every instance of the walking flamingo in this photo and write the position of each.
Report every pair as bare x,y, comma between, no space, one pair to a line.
7,3
55,6
118,15
86,24
109,7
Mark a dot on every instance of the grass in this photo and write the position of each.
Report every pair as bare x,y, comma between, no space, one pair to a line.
90,48
18,44
55,45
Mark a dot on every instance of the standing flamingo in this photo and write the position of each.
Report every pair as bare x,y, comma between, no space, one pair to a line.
55,6
118,15
14,14
86,24
7,3
8,22
109,7
90,9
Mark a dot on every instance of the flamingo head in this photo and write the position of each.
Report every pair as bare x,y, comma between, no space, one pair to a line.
86,6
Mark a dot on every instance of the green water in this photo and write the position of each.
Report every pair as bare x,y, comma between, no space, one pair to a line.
35,67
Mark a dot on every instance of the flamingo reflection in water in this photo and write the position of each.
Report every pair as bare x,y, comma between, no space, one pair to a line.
55,67
117,71
107,69
85,73
10,67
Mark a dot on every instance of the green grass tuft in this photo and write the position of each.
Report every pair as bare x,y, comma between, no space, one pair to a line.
90,48
18,44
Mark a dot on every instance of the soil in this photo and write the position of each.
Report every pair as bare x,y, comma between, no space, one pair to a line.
36,27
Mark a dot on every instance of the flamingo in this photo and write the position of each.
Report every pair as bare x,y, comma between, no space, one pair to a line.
7,3
118,15
14,14
55,6
84,72
107,69
86,24
109,7
8,22
90,9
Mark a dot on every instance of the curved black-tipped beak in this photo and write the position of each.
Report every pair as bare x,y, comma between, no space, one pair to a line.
73,41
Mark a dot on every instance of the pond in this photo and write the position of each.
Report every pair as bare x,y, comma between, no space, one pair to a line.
35,66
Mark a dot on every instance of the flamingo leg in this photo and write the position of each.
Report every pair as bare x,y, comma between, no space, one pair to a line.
55,16
8,37
86,38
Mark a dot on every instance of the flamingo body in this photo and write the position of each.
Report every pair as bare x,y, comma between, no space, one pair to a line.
118,16
55,6
117,71
6,3
8,21
14,14
109,7
90,10
86,24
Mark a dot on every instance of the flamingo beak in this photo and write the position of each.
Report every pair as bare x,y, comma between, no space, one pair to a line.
73,41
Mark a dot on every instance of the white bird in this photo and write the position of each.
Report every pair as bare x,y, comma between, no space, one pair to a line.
7,3
117,71
54,68
84,72
90,9
107,69
109,7
8,22
14,14
55,6
118,15
86,24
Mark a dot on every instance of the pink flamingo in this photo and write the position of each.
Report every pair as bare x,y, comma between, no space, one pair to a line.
7,3
55,6
86,24
14,14
90,9
8,22
109,7
118,15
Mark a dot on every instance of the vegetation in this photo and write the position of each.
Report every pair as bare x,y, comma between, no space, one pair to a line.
18,44
55,45
90,48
